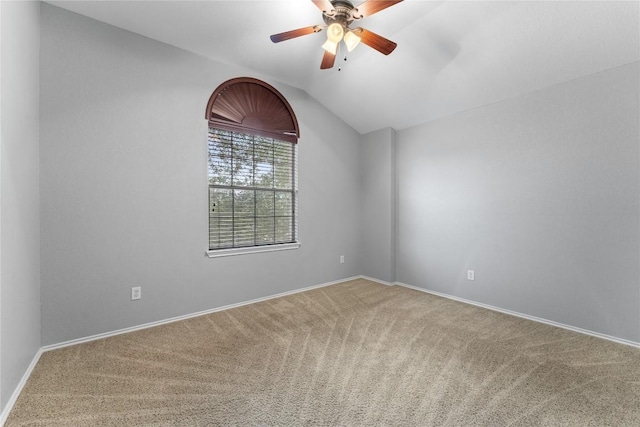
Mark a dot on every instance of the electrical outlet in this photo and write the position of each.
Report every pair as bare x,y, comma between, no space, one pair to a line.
136,293
471,275
341,259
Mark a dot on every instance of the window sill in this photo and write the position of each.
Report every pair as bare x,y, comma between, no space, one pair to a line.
252,250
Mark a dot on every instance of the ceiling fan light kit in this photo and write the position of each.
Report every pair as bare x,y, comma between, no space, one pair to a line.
338,15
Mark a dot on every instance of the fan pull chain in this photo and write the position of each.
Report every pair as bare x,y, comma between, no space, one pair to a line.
345,59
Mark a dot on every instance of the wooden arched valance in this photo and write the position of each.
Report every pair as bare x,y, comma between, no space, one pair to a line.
250,105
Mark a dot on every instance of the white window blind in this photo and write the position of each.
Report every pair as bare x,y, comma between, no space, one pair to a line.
252,190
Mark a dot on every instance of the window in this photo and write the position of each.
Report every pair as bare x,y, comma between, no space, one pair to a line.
252,170
252,190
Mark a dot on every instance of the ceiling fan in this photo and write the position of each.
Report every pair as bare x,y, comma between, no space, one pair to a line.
338,15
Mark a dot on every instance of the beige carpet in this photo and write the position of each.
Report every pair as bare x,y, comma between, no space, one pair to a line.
356,353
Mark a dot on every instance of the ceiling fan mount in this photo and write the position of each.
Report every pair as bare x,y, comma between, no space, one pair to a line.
338,15
341,13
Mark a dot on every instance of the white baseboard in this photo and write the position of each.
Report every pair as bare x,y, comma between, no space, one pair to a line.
187,316
371,279
16,393
526,316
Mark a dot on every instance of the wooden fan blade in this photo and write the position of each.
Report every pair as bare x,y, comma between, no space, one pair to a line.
277,38
370,7
327,60
375,41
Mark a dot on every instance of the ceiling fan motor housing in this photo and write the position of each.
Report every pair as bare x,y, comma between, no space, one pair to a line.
343,13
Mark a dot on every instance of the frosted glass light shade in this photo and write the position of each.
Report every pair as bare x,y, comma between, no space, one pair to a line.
351,40
335,32
330,46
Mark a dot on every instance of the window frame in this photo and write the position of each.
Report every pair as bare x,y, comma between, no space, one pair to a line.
235,139
252,107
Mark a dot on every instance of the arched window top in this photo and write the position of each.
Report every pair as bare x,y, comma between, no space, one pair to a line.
250,105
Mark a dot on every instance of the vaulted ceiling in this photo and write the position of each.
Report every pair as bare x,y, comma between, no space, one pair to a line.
452,56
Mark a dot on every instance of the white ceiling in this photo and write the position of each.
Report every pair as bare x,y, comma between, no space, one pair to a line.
452,55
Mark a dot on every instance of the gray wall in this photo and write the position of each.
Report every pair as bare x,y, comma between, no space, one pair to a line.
124,185
19,194
539,195
378,195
